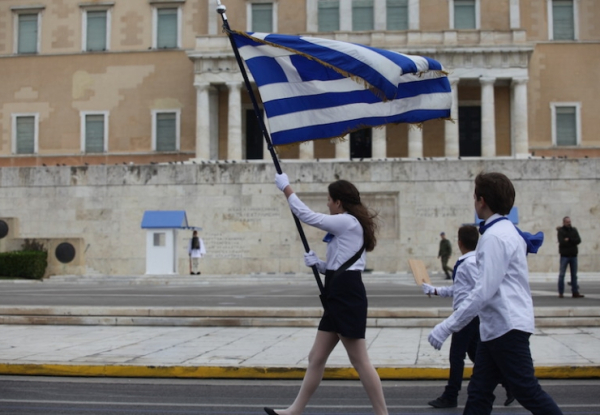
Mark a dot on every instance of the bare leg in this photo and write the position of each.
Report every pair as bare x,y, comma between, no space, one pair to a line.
357,353
324,344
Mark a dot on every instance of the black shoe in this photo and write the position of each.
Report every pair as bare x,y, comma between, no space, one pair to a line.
442,403
191,273
577,295
270,411
509,399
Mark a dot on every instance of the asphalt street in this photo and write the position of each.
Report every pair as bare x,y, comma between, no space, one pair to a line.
381,294
51,396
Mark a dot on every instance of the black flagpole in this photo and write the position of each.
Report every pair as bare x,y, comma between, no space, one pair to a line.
221,10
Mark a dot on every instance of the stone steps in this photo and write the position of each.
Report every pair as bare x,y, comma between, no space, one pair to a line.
262,317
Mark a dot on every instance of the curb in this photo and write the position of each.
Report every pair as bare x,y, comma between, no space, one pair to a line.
231,372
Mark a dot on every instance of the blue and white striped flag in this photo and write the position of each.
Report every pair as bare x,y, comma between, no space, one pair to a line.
315,88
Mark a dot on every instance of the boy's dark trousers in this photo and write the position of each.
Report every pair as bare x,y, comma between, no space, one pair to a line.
508,357
464,342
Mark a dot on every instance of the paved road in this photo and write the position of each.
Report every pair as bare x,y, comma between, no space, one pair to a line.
381,294
49,396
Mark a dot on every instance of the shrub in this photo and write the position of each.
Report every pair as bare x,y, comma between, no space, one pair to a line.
33,245
24,264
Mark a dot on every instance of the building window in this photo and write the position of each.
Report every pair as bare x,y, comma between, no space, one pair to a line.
566,124
397,14
96,30
25,133
261,17
94,132
464,14
562,18
167,28
361,144
160,239
28,32
329,15
363,17
165,130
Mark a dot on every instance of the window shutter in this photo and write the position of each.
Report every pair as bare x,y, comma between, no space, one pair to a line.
362,15
96,30
329,15
464,14
166,132
28,33
94,133
167,28
566,126
25,135
563,23
262,17
397,14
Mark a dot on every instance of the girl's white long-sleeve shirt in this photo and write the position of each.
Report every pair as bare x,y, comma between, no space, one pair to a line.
347,231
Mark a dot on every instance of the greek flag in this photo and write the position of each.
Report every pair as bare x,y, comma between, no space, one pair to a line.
315,88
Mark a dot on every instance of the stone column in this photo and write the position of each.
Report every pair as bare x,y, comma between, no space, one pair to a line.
307,150
379,143
488,118
451,137
413,14
415,141
234,121
202,121
515,14
342,148
519,117
380,15
346,15
312,16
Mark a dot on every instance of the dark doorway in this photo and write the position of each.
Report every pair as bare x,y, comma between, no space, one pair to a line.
469,130
360,144
254,137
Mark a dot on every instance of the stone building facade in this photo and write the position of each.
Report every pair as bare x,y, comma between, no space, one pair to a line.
109,108
150,81
246,223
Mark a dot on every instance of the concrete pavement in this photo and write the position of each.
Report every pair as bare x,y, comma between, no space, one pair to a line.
259,351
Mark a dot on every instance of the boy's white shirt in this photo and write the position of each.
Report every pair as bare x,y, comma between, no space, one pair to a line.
196,253
501,296
464,280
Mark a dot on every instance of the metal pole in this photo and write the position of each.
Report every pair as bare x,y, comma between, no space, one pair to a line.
221,10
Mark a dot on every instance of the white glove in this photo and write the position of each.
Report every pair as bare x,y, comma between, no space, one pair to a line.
310,259
438,335
428,289
282,181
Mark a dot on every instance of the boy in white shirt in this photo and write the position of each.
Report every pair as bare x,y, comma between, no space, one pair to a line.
466,340
502,299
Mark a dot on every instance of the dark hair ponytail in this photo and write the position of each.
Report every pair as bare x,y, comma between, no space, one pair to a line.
349,197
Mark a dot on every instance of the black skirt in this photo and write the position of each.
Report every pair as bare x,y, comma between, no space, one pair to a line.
346,305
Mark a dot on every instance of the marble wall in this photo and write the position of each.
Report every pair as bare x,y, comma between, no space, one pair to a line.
247,226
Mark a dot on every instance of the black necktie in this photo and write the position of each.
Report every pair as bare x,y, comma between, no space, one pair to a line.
460,261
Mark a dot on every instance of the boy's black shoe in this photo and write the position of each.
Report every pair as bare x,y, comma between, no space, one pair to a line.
509,399
443,403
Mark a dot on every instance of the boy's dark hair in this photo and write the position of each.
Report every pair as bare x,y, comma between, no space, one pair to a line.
468,235
497,190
